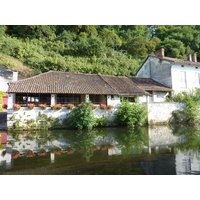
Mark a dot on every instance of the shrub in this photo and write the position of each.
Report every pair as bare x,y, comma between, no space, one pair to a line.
100,121
191,111
131,114
82,117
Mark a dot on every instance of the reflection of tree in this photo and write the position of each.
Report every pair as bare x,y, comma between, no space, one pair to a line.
192,135
84,141
131,139
41,137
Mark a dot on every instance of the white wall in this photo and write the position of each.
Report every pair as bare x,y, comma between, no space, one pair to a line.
113,101
4,84
191,79
159,113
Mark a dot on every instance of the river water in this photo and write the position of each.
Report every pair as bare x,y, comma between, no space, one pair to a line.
152,150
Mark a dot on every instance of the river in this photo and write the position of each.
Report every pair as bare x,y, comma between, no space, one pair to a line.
152,150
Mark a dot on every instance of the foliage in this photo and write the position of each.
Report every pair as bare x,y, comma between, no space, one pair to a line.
31,105
103,106
131,139
70,106
131,114
100,121
56,107
43,106
116,50
16,106
82,117
191,111
1,96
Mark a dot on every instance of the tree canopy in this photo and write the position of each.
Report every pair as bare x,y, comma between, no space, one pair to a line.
107,49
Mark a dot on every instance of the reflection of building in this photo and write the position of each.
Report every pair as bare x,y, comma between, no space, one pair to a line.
187,162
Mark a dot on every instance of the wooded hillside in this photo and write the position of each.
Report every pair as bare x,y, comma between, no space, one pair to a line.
106,49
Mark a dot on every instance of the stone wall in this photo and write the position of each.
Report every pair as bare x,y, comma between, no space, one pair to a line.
158,113
25,115
161,113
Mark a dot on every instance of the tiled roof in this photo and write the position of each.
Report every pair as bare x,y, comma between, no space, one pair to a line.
62,82
149,84
123,85
55,82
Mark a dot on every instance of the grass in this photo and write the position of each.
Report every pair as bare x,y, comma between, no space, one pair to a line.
13,64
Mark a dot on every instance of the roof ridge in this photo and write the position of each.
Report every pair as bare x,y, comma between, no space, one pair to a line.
100,75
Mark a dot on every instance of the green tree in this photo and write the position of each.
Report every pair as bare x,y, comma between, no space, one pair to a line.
110,38
131,114
82,116
174,48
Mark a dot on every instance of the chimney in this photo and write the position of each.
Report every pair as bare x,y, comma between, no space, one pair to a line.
194,57
189,57
15,76
160,53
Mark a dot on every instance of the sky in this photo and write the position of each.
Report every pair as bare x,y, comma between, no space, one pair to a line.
104,12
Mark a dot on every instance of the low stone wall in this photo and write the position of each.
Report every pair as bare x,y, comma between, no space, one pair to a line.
161,113
158,113
25,115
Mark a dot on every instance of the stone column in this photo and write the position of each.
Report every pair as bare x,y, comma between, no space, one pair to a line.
11,100
53,99
87,97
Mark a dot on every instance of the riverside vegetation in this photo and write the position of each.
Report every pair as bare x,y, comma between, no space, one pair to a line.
191,112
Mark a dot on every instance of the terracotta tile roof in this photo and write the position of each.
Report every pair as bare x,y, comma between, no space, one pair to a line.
55,82
124,85
62,82
149,84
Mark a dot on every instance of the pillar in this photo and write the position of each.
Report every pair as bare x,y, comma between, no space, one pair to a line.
11,100
53,99
87,97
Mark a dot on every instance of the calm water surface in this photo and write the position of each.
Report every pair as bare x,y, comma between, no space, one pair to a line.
157,150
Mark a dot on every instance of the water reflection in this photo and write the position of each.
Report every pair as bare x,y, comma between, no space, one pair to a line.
157,149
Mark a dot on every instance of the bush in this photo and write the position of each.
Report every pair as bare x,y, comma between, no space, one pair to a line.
131,114
82,116
100,121
191,111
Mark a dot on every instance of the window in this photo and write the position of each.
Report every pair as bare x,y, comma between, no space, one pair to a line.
197,79
68,98
95,98
183,79
23,99
130,99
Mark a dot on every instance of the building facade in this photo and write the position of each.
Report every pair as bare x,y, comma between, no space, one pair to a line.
177,74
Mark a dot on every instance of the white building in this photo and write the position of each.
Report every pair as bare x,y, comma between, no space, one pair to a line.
177,74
